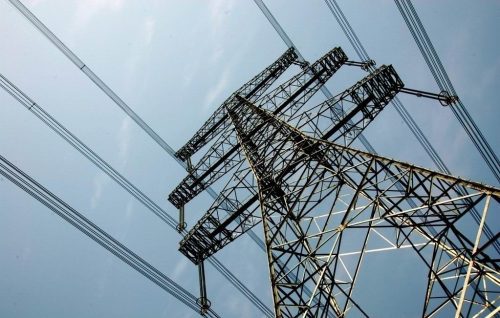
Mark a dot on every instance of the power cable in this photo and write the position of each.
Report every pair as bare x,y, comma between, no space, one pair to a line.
398,105
61,208
270,17
363,55
348,31
118,101
64,133
440,75
87,71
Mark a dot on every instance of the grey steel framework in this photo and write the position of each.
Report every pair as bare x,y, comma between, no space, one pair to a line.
324,205
224,154
251,90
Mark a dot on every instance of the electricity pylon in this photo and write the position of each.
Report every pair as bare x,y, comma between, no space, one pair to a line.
324,205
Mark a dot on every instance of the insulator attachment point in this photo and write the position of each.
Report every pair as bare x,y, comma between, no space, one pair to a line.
367,64
182,224
303,64
203,301
204,304
189,164
446,99
181,227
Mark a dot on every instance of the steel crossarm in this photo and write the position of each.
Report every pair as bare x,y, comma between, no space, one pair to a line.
236,209
362,198
343,118
286,100
252,90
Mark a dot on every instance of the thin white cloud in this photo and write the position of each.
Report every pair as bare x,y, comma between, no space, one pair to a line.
26,254
218,12
235,303
124,136
180,268
141,51
191,70
457,144
216,90
129,210
105,276
87,9
149,30
126,221
488,79
100,180
34,2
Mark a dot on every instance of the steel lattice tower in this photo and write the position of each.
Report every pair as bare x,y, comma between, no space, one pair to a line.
323,205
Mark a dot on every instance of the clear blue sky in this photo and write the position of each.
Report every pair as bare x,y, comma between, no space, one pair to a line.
174,62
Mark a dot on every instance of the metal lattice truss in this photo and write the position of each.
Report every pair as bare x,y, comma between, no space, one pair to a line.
251,90
286,100
340,119
324,206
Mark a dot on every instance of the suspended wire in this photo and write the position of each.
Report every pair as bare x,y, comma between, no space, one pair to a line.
61,208
87,71
348,31
440,75
108,91
270,17
398,105
39,112
363,55
67,52
353,39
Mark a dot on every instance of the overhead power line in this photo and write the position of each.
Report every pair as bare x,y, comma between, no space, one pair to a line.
440,75
108,91
93,157
398,105
117,100
61,208
87,71
348,30
363,56
284,36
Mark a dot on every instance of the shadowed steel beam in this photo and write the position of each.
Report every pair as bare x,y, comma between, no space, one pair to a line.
340,119
362,189
286,100
252,90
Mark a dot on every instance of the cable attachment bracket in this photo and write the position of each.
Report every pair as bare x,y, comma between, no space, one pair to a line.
365,65
444,98
181,226
189,164
368,64
303,64
203,301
